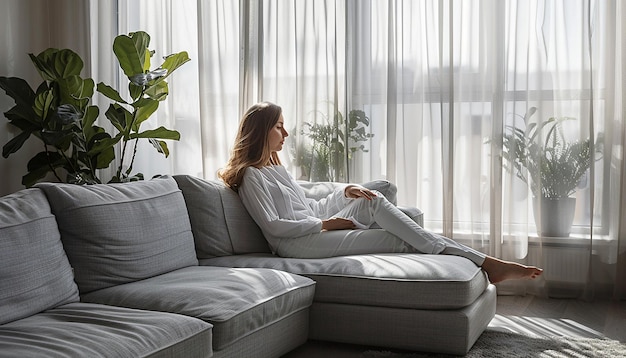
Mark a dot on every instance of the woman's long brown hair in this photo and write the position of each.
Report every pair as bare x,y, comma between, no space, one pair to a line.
251,146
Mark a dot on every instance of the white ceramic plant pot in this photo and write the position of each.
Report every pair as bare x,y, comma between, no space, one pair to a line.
554,216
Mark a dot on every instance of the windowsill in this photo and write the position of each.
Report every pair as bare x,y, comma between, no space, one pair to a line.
572,241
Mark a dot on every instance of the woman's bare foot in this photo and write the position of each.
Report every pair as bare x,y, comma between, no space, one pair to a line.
499,270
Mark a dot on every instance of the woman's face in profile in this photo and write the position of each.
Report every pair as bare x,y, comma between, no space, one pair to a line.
277,135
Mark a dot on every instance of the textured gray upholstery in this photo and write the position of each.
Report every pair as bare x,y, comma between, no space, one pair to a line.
220,223
416,281
237,302
90,330
133,250
451,331
34,272
119,233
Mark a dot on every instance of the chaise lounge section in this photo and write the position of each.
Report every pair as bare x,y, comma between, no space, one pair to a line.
431,303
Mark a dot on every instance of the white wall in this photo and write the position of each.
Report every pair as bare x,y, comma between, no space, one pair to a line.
31,26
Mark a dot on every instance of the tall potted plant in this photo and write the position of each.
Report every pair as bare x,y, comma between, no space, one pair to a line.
60,115
552,166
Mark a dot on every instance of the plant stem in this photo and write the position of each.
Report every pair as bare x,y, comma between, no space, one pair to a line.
132,160
119,168
45,146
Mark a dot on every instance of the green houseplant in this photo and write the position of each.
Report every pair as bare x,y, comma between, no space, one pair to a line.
60,115
552,166
332,145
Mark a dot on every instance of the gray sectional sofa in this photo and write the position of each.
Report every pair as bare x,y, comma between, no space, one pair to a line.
175,267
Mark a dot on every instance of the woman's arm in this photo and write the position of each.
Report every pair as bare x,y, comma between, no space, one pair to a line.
355,191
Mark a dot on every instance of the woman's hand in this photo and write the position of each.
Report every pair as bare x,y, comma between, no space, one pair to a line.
337,224
356,191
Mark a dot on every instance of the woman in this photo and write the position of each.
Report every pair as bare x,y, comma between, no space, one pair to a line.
298,227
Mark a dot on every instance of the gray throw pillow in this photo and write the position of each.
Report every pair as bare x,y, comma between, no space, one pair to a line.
35,274
220,223
120,233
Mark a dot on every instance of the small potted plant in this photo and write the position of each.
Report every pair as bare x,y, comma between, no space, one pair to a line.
552,166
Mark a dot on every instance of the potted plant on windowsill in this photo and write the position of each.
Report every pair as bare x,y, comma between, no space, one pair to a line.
552,166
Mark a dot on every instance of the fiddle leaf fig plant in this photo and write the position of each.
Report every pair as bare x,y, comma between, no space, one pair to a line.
59,113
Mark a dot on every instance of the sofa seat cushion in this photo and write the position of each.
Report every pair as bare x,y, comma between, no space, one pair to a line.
35,274
415,281
91,330
119,233
237,302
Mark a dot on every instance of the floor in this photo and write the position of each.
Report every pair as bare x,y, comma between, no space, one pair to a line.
527,315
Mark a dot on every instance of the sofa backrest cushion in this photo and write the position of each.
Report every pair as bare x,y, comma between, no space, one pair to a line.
120,233
35,274
220,223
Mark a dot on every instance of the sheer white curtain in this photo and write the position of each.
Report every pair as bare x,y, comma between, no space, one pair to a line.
440,81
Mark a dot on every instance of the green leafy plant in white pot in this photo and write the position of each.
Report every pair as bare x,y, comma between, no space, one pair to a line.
60,115
553,167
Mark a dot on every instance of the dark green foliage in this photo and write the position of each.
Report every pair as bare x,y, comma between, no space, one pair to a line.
59,114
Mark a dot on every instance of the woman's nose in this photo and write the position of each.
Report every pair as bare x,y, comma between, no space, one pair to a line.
285,134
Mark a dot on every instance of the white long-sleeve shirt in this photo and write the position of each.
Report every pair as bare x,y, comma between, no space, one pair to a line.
279,206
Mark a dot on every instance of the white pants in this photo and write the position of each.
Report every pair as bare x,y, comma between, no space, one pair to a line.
398,234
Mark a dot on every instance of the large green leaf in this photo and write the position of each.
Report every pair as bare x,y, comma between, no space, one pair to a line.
75,90
161,133
101,149
42,104
54,64
120,117
23,95
158,91
104,144
160,146
174,61
23,120
135,91
110,92
18,89
91,114
145,107
105,158
131,52
15,144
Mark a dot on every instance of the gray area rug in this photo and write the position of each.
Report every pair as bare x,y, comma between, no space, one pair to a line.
501,344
